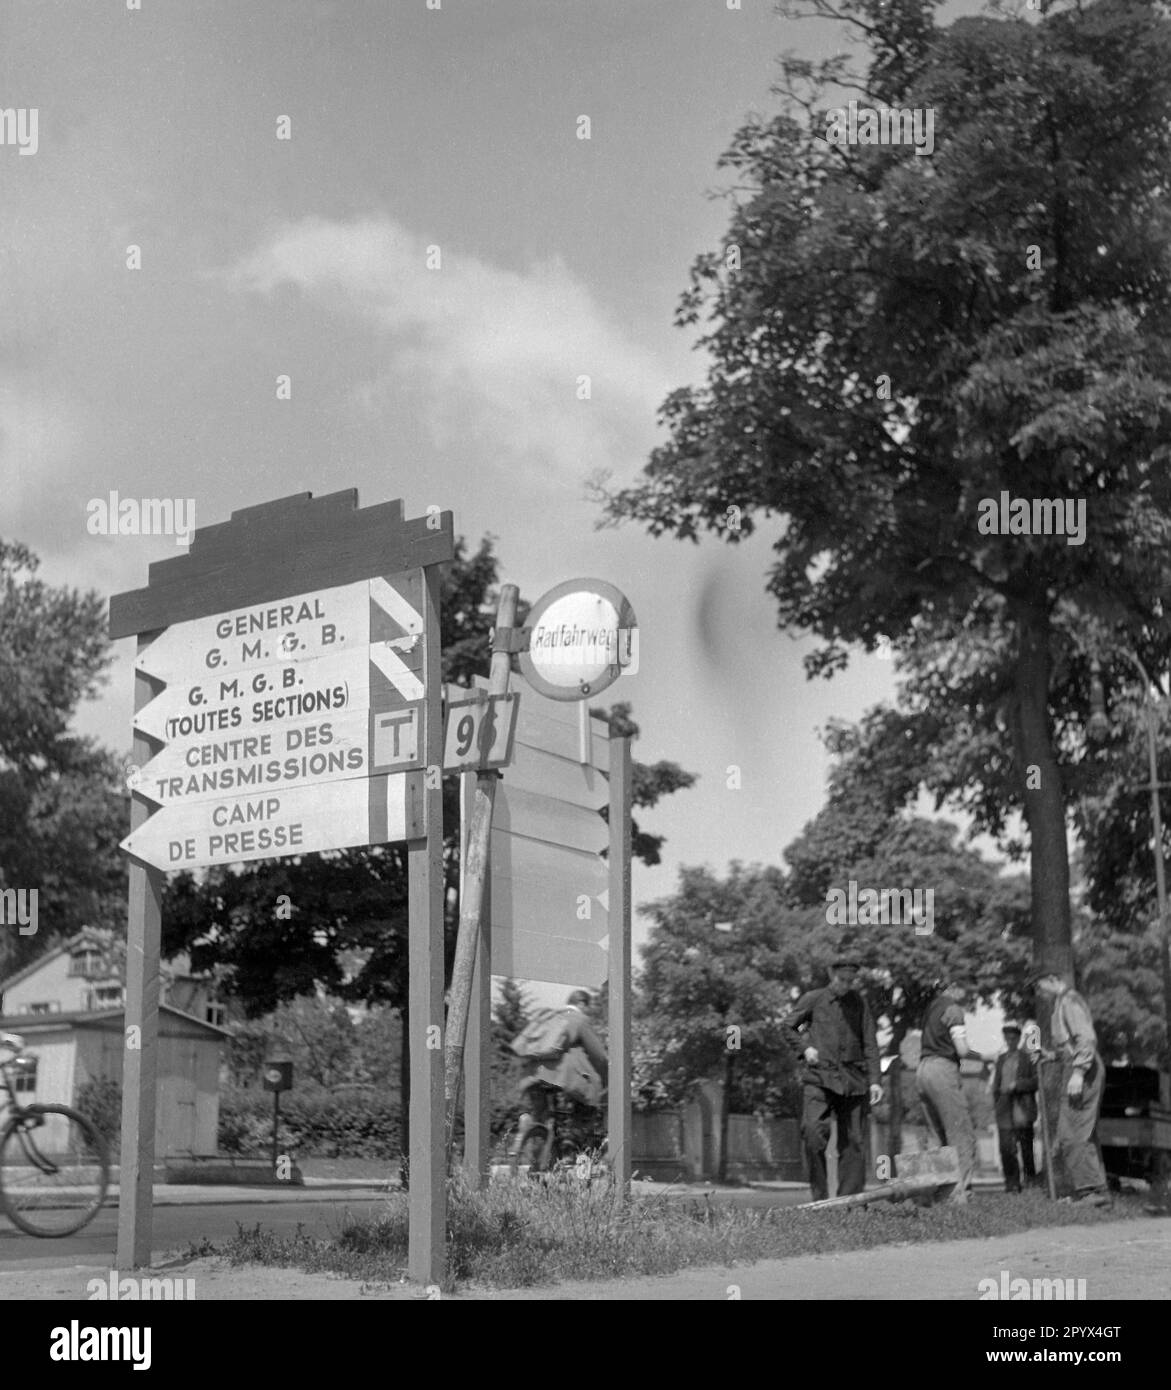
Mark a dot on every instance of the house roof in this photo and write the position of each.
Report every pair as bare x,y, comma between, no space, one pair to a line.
28,1024
86,933
96,935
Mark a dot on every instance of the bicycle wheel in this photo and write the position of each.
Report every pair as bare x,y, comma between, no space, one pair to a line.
531,1155
53,1171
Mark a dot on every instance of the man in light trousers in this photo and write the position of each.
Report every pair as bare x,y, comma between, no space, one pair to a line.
1082,1077
944,1045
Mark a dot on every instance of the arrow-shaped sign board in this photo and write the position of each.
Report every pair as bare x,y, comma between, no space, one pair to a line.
544,956
379,676
359,743
547,819
540,887
269,824
294,629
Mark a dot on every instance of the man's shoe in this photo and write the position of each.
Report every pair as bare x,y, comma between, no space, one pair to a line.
1093,1197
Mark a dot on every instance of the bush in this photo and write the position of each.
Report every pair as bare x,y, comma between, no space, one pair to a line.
343,1123
100,1101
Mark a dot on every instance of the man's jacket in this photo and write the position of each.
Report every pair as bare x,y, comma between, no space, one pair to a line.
1015,1099
842,1030
583,1068
1074,1039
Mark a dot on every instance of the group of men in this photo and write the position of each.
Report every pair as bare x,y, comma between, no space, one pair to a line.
833,1031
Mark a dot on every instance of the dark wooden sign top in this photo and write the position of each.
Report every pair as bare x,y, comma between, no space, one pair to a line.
291,546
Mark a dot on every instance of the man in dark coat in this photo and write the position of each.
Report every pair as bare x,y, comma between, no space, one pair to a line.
833,1030
1014,1091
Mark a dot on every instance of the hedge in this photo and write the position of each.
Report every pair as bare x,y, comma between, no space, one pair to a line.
343,1123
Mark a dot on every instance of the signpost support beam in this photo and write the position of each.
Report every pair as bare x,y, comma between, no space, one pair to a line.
140,1035
619,1117
475,864
478,1084
428,1191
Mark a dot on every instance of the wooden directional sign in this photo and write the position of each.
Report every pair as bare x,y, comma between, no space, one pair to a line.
269,824
328,712
383,609
306,753
270,598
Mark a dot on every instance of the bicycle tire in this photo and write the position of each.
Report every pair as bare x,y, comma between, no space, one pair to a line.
52,1190
535,1144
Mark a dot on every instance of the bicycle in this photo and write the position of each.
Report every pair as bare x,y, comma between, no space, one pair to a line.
53,1168
546,1149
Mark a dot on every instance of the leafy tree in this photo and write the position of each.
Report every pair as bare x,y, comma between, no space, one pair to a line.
712,987
63,809
894,338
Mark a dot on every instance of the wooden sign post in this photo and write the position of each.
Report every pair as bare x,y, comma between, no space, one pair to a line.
293,619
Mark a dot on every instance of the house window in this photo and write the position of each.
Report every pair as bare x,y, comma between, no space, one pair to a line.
24,1081
49,1008
85,963
106,996
214,1014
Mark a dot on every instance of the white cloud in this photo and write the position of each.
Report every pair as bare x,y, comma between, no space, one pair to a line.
493,356
37,441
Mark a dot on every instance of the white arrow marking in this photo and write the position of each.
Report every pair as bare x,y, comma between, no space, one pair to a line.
388,597
404,680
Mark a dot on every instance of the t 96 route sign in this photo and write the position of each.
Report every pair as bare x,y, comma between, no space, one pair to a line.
478,731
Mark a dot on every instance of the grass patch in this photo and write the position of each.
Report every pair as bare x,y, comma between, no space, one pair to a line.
518,1234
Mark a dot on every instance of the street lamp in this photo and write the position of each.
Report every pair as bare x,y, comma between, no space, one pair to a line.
1098,728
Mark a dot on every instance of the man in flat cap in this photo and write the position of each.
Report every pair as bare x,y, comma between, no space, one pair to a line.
1014,1092
1082,1076
833,1031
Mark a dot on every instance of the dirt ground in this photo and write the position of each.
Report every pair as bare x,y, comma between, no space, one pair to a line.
1118,1260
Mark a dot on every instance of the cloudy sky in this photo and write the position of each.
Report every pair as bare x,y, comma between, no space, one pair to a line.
410,128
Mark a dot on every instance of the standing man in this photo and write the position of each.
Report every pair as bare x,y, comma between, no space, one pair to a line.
833,1030
1014,1090
943,1048
1082,1075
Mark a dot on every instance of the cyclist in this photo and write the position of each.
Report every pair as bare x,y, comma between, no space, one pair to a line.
561,1052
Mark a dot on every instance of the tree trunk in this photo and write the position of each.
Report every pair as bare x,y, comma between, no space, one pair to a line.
1044,795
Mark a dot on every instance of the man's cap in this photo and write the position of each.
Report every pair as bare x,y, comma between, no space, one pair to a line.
1012,1028
845,961
1039,973
580,997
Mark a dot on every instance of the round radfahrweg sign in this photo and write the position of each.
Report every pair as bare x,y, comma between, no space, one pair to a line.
582,636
